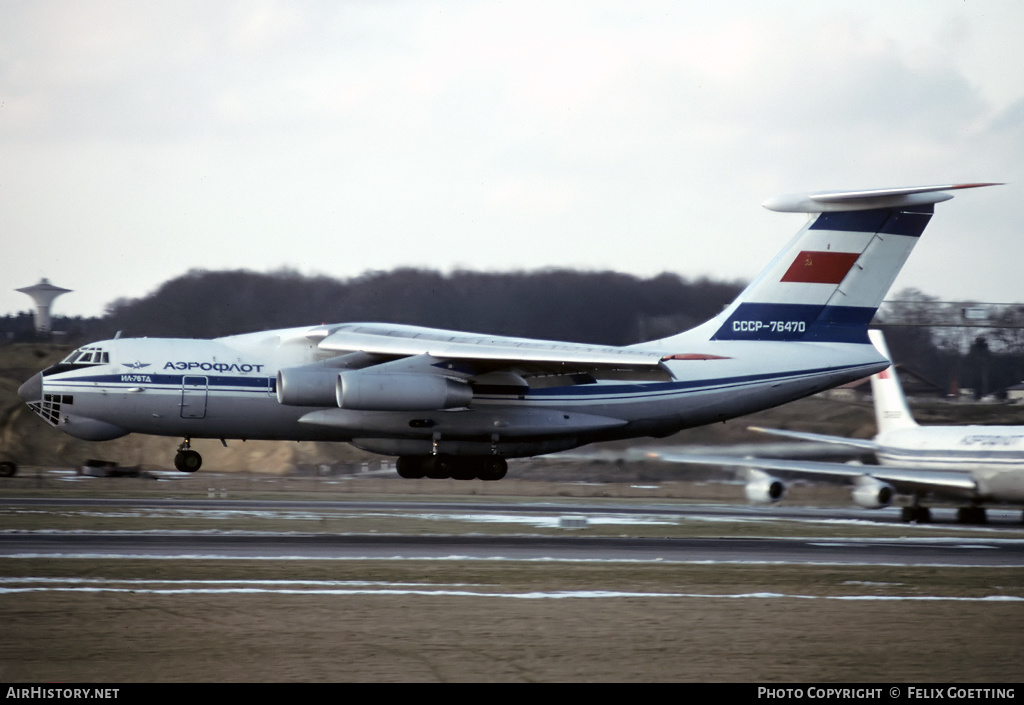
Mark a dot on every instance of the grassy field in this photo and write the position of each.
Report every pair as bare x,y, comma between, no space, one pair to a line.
472,622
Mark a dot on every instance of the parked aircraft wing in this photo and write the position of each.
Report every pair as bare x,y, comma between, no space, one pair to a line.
904,480
861,443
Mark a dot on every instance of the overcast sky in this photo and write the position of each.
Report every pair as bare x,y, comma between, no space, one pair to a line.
141,139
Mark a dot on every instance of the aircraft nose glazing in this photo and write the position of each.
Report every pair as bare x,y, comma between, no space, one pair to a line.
32,389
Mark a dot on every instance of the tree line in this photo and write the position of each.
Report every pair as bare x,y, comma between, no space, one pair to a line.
605,307
593,307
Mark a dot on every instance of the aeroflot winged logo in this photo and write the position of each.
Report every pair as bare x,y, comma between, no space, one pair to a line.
820,267
136,365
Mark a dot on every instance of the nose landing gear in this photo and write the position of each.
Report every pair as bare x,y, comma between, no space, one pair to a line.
187,460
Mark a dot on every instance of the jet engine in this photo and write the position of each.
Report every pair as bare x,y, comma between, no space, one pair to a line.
762,487
297,386
370,391
871,493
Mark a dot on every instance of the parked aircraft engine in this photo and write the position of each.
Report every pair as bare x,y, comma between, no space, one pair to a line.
297,386
871,493
762,487
371,391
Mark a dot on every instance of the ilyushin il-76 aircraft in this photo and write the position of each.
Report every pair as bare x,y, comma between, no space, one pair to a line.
453,404
967,465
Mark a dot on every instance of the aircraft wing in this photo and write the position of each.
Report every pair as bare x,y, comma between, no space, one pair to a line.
405,341
904,480
861,443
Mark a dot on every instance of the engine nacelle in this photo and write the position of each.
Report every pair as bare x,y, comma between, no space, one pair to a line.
762,487
871,493
370,391
299,386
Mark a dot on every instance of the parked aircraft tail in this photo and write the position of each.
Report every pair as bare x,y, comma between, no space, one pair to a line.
891,410
826,285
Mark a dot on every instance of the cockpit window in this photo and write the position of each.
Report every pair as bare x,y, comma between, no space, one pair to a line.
87,356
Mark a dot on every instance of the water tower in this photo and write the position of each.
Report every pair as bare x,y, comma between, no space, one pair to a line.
43,294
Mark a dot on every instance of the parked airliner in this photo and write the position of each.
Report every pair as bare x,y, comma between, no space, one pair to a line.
968,465
452,404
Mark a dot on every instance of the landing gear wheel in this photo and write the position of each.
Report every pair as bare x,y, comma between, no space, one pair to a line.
437,467
411,467
492,468
8,469
463,469
971,515
919,515
188,461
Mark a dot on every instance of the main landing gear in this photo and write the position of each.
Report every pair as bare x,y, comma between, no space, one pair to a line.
916,514
971,515
187,460
964,515
437,467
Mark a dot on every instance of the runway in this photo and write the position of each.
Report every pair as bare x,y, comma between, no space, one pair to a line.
977,548
469,588
906,552
1004,518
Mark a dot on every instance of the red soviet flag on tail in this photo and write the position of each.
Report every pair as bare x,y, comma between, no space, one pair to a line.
820,267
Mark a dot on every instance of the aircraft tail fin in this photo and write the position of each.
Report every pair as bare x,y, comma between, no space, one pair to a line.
827,283
891,409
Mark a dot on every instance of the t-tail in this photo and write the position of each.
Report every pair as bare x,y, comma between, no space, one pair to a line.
828,282
891,410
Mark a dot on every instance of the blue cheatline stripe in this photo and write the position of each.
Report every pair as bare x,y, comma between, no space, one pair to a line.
589,393
797,322
261,384
888,221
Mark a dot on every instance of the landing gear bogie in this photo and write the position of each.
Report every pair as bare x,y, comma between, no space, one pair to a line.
439,467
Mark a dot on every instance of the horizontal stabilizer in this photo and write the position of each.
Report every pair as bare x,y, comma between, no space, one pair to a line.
831,201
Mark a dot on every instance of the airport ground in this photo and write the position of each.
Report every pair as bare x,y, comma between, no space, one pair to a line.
191,617
177,617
